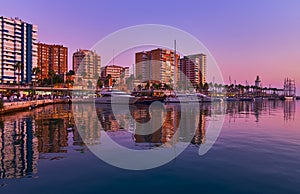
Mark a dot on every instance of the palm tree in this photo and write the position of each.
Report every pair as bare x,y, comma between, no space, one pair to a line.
210,86
35,71
18,67
99,83
71,72
51,74
108,77
206,87
114,82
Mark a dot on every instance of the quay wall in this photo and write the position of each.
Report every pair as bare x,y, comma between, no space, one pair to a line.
25,105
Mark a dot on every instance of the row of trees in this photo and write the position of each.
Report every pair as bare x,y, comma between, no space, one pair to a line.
242,89
19,66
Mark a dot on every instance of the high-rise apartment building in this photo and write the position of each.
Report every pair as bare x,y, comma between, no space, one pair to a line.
52,57
86,63
158,64
193,68
18,45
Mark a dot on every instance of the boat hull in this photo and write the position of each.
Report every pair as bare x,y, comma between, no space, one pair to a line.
115,100
289,98
149,100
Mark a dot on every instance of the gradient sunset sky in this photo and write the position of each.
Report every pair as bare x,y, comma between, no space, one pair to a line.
246,37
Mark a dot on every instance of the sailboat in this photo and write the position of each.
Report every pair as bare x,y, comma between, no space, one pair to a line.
289,89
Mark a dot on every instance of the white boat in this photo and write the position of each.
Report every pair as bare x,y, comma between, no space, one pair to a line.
190,98
204,98
180,98
289,98
187,98
115,97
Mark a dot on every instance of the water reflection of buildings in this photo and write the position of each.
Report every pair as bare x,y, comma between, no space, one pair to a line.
87,121
18,147
289,110
24,135
51,125
173,118
260,108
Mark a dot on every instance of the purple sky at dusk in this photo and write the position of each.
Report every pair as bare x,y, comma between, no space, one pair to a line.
247,38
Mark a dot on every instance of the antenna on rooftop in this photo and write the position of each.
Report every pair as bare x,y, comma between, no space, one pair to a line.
113,56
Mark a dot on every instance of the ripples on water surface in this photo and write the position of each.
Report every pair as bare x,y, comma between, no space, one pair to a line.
256,152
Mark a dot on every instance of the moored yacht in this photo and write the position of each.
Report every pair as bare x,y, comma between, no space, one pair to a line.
115,97
181,98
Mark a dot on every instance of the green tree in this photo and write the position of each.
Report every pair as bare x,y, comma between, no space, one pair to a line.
99,83
71,72
18,67
51,74
1,104
205,87
36,71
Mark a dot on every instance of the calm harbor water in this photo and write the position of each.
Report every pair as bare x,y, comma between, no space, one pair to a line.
41,151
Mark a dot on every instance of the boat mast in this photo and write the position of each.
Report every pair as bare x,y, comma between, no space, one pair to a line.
175,67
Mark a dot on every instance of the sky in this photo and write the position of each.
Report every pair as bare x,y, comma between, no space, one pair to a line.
247,38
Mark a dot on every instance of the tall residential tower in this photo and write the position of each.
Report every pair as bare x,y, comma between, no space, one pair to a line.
158,64
87,63
52,57
18,44
193,68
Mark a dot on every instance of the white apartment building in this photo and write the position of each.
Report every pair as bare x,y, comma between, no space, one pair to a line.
18,43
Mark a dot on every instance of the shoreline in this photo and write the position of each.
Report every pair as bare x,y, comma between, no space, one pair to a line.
11,107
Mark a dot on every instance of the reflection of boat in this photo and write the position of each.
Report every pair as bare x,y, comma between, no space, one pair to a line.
246,99
231,99
149,99
273,98
115,97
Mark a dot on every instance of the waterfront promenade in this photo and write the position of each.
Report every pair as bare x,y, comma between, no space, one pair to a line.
9,107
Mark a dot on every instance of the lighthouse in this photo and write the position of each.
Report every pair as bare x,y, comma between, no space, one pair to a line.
257,81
